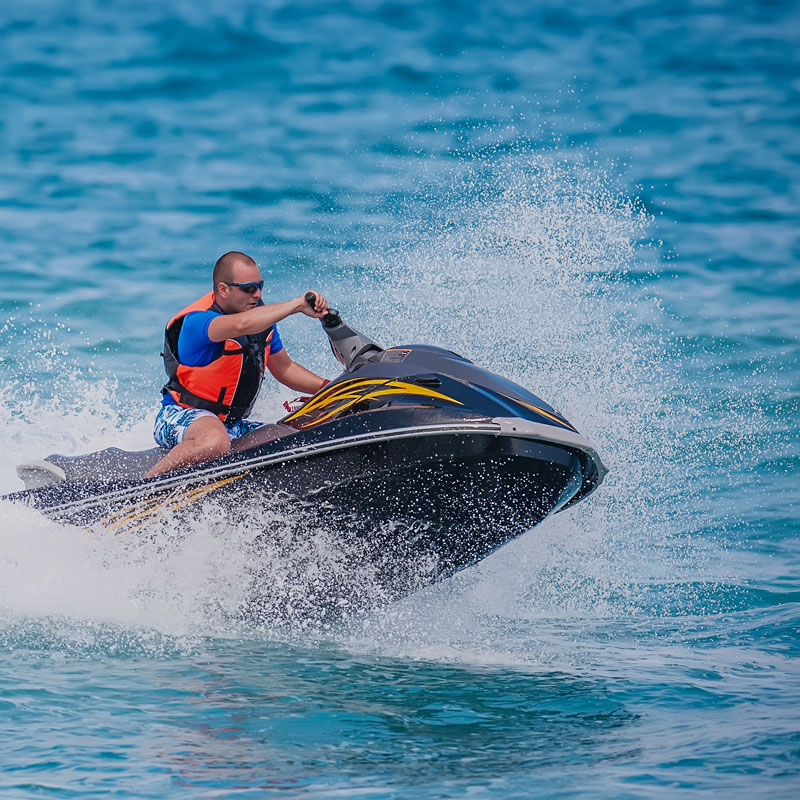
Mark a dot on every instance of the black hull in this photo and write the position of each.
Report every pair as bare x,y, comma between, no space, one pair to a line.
461,496
415,507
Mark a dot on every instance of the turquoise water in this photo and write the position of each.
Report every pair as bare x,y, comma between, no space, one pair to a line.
601,204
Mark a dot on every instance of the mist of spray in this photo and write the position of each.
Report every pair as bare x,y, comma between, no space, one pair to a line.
537,277
544,279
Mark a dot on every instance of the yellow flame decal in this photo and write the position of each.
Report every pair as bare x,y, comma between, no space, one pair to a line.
542,412
328,395
139,513
347,394
370,395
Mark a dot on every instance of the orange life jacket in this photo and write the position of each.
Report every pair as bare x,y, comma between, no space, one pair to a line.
229,385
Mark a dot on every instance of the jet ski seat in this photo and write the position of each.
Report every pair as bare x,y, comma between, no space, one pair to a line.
109,464
122,465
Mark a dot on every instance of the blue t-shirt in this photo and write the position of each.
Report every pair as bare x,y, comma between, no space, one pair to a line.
195,349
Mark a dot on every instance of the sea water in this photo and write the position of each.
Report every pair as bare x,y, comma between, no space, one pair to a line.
599,202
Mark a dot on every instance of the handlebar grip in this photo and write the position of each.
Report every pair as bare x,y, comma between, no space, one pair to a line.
331,319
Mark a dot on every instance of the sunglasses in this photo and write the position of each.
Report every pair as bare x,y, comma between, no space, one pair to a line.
249,288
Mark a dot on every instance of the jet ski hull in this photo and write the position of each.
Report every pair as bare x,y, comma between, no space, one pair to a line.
418,505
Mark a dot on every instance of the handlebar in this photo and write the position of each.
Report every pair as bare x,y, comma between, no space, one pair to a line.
331,319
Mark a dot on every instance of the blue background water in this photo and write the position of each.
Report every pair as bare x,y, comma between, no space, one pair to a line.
600,203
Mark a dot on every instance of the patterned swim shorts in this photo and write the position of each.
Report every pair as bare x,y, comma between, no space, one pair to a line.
173,420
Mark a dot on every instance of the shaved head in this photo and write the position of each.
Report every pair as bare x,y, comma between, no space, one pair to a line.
226,267
230,270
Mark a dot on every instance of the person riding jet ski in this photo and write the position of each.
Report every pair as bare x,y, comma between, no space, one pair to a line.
215,353
416,460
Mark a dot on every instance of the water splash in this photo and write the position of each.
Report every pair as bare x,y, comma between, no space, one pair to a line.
541,278
545,278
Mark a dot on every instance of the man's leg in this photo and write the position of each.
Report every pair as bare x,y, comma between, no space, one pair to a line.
205,438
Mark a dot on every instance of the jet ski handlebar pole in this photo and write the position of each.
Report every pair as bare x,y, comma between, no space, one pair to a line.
348,345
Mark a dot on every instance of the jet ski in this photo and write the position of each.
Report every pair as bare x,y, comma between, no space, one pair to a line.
419,454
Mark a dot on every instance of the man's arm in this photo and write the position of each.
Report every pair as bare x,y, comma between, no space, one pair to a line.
229,326
291,374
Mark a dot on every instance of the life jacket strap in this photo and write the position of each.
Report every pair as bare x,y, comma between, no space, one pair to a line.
191,400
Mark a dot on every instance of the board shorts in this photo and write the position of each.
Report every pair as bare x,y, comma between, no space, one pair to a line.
173,420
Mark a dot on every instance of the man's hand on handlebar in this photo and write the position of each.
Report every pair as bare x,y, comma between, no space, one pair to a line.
314,305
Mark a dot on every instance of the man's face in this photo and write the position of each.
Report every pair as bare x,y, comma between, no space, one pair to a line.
233,299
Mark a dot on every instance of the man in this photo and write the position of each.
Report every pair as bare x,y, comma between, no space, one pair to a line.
215,354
